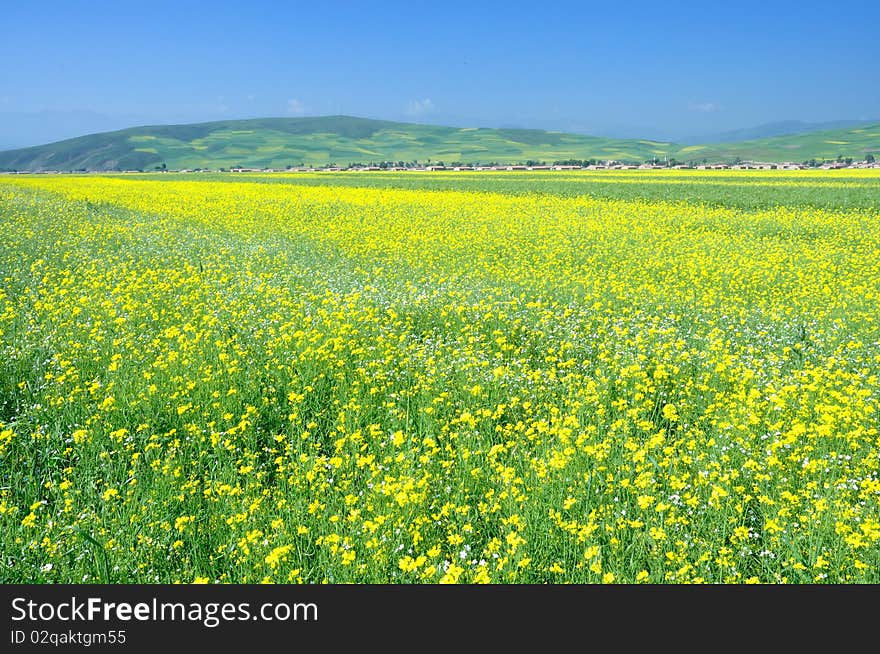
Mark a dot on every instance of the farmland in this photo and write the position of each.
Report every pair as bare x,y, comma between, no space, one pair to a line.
530,378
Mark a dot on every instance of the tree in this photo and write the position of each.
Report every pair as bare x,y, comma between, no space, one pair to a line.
869,158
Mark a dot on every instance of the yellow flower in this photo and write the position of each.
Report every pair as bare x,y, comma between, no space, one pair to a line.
277,556
772,526
452,575
670,412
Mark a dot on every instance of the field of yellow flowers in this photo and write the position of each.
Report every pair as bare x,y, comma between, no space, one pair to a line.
302,379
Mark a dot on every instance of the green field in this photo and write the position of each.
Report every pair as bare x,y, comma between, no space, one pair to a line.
453,378
853,189
281,142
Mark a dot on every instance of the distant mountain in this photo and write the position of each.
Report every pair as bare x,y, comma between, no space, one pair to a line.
280,142
780,128
854,142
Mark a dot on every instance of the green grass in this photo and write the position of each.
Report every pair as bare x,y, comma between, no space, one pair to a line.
280,142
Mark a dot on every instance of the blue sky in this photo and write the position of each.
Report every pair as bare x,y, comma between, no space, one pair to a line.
641,69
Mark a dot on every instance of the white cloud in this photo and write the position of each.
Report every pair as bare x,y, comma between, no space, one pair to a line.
296,107
704,106
419,107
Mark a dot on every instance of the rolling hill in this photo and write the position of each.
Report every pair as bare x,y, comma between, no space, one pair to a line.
779,128
280,142
855,142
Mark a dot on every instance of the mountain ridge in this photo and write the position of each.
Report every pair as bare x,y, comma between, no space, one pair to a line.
774,129
322,140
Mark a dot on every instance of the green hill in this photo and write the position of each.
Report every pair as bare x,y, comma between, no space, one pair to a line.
280,142
855,142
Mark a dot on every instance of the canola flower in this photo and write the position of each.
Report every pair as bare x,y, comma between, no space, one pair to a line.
234,381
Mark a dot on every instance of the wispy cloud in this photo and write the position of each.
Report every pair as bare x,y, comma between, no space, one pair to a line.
704,106
419,107
296,107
